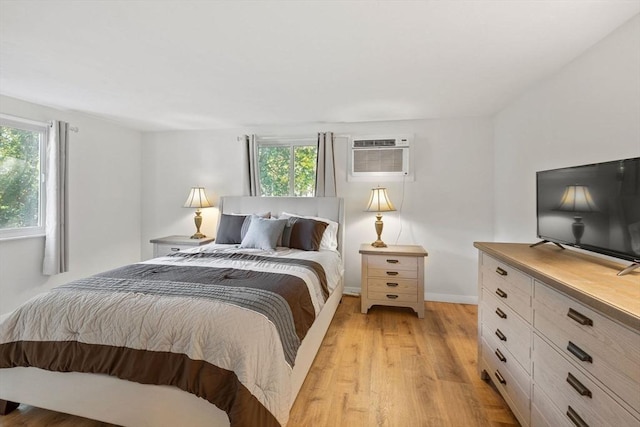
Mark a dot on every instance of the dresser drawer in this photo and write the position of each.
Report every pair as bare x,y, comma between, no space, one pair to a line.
509,284
163,250
505,360
504,381
610,350
568,387
512,331
392,296
393,285
392,273
393,263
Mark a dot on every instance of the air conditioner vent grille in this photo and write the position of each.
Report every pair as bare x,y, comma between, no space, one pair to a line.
365,161
366,143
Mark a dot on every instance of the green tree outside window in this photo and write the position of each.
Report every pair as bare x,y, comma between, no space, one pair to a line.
19,178
287,170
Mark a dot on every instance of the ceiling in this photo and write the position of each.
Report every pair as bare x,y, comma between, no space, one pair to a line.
164,65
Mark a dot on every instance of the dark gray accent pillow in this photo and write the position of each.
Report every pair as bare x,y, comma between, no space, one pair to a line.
230,228
303,233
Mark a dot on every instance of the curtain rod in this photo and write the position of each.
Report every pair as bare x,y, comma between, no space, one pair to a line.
75,129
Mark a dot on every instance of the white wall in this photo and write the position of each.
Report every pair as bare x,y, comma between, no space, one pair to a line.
104,206
588,112
446,208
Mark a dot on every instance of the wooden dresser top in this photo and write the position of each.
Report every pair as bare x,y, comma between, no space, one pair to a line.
589,279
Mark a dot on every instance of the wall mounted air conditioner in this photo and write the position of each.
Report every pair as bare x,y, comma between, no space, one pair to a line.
377,157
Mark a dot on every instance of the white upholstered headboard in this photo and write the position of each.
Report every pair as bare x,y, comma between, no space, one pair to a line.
325,207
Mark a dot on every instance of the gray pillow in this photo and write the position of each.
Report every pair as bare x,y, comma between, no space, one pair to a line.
233,227
230,228
263,233
303,233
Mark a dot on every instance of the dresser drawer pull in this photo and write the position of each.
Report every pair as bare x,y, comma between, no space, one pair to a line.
501,272
578,386
573,416
579,317
392,285
500,356
391,296
501,293
393,261
392,273
501,313
500,335
175,249
500,377
579,353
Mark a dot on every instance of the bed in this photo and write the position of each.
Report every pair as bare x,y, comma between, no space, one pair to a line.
131,403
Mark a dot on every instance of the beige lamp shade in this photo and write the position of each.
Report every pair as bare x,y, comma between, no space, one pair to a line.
197,199
379,202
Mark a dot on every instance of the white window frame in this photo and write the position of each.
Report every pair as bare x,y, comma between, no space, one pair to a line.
285,142
43,128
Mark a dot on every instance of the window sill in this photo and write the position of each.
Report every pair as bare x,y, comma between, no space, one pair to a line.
30,236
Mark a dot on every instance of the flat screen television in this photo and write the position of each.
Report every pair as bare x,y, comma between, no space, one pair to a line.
594,207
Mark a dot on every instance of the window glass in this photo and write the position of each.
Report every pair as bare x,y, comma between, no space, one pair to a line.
21,183
305,170
287,169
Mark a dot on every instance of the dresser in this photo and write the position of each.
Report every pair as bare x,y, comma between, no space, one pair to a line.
163,246
559,335
393,276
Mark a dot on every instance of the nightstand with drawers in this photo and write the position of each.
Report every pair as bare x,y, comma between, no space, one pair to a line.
165,245
393,276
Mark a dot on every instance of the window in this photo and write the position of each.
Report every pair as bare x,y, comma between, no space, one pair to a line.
22,155
287,168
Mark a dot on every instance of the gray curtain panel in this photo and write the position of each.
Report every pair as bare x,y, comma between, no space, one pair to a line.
56,247
325,166
250,165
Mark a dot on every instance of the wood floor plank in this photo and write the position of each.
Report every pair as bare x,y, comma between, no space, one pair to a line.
387,368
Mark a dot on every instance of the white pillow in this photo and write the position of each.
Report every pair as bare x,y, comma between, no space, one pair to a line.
329,238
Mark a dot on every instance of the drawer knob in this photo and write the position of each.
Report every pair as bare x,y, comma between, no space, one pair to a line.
392,273
500,335
499,377
579,317
175,249
501,272
501,293
391,296
578,386
579,353
575,418
391,284
501,313
500,356
393,261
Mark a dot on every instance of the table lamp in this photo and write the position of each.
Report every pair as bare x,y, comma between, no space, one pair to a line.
379,202
197,199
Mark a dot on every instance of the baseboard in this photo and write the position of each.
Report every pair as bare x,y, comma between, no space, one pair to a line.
355,292
458,299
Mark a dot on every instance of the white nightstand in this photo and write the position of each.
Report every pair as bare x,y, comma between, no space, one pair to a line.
393,276
166,245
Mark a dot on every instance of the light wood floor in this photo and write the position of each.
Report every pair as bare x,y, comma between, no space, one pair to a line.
387,368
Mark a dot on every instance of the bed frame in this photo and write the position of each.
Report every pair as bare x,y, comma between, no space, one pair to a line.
127,403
